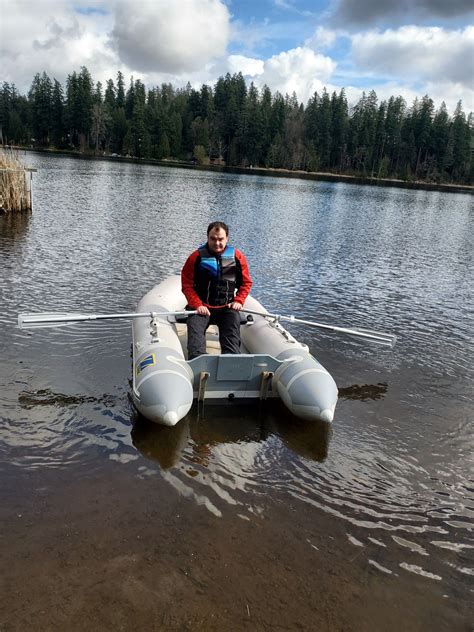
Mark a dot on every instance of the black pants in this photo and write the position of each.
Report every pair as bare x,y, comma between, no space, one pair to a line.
228,321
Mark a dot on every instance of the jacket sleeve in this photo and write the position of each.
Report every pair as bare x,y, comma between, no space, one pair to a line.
246,284
187,281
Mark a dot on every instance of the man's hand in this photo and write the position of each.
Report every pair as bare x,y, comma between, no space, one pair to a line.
236,306
203,311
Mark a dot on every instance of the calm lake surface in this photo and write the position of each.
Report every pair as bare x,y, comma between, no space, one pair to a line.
240,517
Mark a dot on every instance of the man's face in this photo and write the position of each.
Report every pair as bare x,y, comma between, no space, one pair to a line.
217,241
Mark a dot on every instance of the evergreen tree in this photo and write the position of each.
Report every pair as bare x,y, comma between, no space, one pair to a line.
5,112
120,96
140,137
183,125
243,126
422,122
120,129
440,141
110,96
164,147
325,128
57,114
194,104
462,139
155,121
219,129
98,124
16,129
295,155
408,149
97,96
175,131
378,163
207,103
276,153
339,131
250,131
265,120
72,109
200,133
129,99
277,115
393,126
79,100
85,99
40,99
14,117
110,109
128,145
311,131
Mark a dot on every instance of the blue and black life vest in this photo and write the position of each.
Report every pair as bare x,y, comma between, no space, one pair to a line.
216,276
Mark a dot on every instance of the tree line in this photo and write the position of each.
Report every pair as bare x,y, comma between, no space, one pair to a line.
239,125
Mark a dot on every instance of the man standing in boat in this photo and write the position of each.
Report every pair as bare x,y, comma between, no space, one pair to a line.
215,281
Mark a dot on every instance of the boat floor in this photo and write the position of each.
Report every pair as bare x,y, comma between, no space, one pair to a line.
217,376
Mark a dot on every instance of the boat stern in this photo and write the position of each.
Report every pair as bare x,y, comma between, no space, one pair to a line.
163,389
306,387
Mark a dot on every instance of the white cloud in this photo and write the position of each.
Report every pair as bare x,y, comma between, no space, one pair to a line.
451,93
186,40
248,66
283,4
54,37
156,41
424,53
171,37
322,38
415,61
298,70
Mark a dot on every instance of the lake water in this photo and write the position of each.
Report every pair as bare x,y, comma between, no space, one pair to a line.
241,517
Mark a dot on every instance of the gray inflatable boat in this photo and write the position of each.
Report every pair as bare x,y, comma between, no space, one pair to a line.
271,364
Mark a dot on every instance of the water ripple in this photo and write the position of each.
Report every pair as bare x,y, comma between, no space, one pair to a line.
394,470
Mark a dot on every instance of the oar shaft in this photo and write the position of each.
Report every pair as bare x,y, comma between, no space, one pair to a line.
345,330
25,320
75,318
376,336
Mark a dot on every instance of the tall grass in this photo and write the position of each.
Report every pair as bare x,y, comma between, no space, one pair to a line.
15,192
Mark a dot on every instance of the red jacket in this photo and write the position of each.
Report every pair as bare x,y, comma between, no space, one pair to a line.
188,279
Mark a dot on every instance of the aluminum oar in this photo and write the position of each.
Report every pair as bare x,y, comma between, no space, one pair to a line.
55,319
374,336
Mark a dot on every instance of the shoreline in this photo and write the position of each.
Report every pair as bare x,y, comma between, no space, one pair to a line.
270,172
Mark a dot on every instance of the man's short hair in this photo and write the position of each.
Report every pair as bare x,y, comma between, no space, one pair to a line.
214,225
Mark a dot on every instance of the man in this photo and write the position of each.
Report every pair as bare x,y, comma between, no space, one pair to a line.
215,281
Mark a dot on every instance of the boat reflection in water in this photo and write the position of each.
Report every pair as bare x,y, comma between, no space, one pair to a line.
164,444
206,429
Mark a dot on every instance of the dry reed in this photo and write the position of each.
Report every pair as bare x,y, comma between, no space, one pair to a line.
15,192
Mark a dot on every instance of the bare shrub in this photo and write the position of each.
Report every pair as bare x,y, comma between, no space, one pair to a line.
14,183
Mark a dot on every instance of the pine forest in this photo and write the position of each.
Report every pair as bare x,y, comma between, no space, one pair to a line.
236,124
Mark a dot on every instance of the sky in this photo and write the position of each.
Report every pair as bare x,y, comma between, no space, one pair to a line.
395,47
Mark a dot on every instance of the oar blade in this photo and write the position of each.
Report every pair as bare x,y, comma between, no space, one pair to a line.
389,340
46,319
369,335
